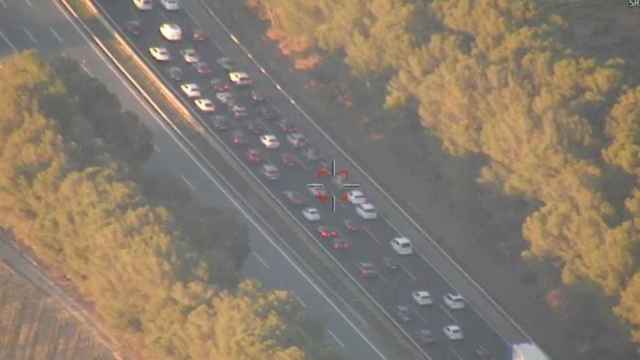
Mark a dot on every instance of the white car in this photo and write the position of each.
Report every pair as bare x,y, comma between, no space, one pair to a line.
171,5
191,90
402,246
160,53
143,4
356,197
240,78
270,171
311,214
270,141
454,301
205,105
190,56
225,97
453,332
367,211
296,139
171,31
422,297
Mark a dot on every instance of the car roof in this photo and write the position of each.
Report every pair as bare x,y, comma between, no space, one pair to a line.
455,296
367,206
402,240
454,327
356,192
421,292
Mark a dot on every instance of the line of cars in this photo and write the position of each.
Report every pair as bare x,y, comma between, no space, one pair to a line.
227,101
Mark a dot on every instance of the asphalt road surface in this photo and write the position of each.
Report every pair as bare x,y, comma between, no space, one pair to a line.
42,25
480,322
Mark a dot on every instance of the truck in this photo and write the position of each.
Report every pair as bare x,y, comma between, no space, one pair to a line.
527,351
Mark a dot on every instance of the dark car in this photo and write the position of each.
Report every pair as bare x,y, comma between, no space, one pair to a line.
389,264
352,225
482,353
270,171
202,68
327,232
256,98
239,112
219,85
199,35
289,159
226,63
310,154
220,123
267,112
239,137
402,312
256,127
340,244
296,139
286,126
367,270
294,197
133,27
425,337
318,191
175,73
253,156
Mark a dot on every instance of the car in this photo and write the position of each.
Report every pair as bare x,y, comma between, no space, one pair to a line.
351,225
171,5
133,27
268,112
286,126
425,337
422,297
296,139
318,191
219,85
239,111
192,90
327,232
356,197
239,137
202,68
171,31
294,197
220,123
454,301
323,168
240,78
403,314
289,160
190,56
367,211
225,97
269,141
389,264
175,73
205,105
253,156
310,154
311,214
256,98
143,4
453,332
226,63
340,244
256,127
270,171
367,270
160,53
482,353
199,35
401,245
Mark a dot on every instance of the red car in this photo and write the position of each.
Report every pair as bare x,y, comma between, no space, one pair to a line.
202,68
326,232
199,35
253,156
340,244
286,126
289,159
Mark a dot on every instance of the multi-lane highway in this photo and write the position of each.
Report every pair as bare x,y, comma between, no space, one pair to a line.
482,322
43,26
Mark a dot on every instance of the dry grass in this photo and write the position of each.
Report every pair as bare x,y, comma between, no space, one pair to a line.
35,326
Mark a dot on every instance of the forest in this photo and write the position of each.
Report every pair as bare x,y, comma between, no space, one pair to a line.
500,79
159,269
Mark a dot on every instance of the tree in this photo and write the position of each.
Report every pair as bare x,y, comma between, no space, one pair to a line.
628,308
623,130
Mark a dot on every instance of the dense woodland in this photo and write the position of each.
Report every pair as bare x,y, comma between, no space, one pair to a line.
161,271
499,79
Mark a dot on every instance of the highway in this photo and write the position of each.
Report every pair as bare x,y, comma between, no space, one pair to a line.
43,26
429,270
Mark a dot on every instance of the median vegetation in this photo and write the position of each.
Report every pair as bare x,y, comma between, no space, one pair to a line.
555,126
161,270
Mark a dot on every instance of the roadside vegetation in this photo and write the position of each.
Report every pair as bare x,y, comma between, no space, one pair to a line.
159,269
556,124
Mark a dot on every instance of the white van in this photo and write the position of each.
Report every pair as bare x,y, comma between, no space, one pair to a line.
143,4
402,246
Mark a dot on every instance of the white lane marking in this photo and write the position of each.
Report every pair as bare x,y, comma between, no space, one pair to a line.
411,275
261,259
454,352
86,69
28,3
335,338
6,39
56,35
154,114
30,35
447,312
299,299
235,39
189,184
